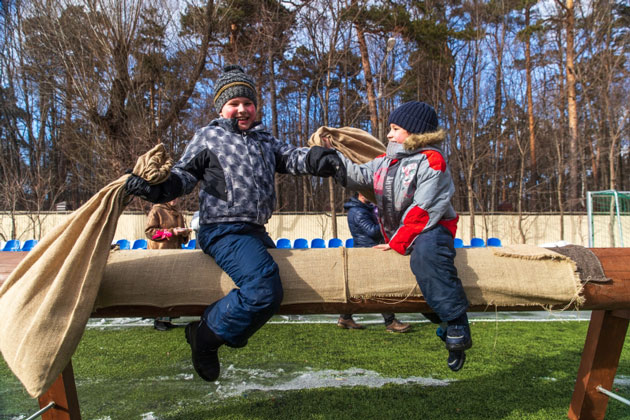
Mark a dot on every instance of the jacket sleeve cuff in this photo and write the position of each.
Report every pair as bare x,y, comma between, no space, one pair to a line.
398,246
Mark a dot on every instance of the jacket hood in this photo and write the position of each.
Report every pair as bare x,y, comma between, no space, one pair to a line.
416,141
355,202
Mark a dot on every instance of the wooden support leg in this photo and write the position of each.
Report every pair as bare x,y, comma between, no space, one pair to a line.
602,349
63,393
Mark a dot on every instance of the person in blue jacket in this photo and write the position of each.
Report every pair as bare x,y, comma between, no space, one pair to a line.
235,160
366,233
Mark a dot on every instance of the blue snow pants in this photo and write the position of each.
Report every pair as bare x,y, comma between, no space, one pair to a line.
433,263
240,249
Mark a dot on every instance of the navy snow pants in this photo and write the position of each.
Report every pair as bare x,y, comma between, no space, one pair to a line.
240,249
433,263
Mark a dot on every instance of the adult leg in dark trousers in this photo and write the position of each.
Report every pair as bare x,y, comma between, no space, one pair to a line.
394,325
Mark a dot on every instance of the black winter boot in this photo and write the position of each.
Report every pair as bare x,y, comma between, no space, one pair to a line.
204,345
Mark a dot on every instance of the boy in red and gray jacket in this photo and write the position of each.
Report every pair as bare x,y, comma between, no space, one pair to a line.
413,188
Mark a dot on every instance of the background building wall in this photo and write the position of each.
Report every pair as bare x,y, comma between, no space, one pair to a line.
533,229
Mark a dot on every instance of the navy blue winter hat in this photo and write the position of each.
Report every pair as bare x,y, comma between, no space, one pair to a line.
415,117
233,83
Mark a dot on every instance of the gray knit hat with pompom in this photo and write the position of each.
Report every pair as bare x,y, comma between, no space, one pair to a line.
233,83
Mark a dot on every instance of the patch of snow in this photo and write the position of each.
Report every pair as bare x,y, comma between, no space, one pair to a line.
232,384
622,380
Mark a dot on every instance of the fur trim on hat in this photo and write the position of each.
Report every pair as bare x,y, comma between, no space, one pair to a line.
415,141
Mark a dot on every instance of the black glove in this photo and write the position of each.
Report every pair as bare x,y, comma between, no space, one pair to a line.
136,185
159,193
324,162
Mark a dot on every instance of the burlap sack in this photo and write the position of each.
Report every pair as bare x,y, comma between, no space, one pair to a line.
46,301
357,145
517,275
522,275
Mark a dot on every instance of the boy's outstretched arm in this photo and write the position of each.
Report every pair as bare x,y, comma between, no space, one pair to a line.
158,193
324,162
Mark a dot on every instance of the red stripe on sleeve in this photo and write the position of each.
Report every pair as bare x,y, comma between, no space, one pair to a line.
413,224
436,160
450,224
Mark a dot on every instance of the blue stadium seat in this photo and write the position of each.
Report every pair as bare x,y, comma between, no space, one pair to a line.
494,242
318,243
139,244
123,244
477,243
458,243
12,245
300,243
283,243
192,244
29,244
349,243
335,243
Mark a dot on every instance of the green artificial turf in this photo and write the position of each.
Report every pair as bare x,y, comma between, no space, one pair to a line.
516,370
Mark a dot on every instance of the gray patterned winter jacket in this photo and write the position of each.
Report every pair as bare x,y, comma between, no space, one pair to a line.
236,170
413,189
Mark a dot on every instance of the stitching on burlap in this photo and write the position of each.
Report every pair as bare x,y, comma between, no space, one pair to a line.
384,298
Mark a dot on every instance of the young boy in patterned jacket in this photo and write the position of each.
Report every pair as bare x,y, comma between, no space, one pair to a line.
235,160
413,188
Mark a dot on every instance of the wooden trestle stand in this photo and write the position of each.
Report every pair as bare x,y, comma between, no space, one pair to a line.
609,303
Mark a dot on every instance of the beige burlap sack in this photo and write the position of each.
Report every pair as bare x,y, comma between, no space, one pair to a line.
516,275
46,301
520,275
357,145
155,278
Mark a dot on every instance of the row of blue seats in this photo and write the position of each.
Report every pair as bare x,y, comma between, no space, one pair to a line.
477,243
285,243
125,244
301,243
16,245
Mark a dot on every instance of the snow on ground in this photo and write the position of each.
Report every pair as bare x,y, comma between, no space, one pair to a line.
232,383
526,316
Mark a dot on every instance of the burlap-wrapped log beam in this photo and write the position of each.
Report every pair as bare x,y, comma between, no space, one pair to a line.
609,300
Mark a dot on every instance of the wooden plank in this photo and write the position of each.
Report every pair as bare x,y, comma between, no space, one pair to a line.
616,294
600,358
605,338
63,393
8,261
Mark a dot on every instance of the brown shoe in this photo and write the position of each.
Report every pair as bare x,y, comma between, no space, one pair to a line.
398,327
349,324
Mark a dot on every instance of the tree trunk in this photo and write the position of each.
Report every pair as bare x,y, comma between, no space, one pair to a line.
369,79
274,119
574,177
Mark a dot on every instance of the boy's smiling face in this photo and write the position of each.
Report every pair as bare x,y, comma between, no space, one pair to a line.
241,108
397,134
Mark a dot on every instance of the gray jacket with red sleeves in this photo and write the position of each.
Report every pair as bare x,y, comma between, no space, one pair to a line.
413,189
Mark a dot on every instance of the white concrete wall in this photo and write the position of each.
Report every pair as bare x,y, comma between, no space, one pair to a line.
534,228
